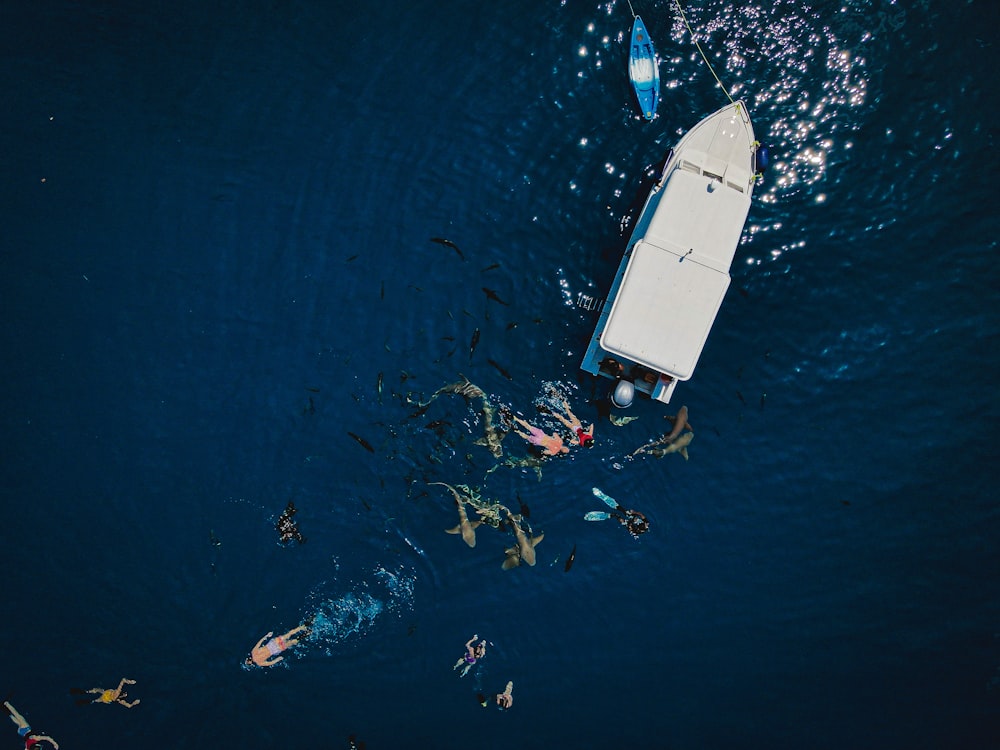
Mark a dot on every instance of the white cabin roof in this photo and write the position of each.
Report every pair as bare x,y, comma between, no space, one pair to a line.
678,274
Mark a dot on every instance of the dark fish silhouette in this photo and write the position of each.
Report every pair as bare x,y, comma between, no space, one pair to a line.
490,294
437,426
740,396
312,390
525,510
512,325
474,343
352,258
448,243
362,442
500,369
490,267
570,559
378,387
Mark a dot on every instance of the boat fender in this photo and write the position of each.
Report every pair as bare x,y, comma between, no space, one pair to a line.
623,394
762,158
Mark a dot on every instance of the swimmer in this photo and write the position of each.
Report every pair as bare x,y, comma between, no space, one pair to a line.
635,522
109,696
471,655
266,654
552,444
584,437
31,739
288,529
506,698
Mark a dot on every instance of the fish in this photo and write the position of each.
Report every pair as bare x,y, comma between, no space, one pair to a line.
312,390
473,343
570,559
465,527
437,426
493,435
525,549
512,325
680,424
525,511
381,294
621,421
679,445
490,268
378,387
500,369
490,294
352,258
763,398
448,243
740,396
464,387
362,442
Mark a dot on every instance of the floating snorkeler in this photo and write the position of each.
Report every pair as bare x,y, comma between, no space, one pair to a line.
267,654
31,738
506,699
471,656
584,436
108,696
287,528
549,445
633,520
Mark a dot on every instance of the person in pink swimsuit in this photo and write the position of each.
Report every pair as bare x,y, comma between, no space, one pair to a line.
551,444
267,654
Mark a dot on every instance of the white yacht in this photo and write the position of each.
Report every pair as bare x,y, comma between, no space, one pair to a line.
675,270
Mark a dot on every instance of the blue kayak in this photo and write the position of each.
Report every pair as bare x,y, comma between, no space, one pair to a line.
642,69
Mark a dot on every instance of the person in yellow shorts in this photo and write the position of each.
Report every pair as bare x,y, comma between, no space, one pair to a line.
109,696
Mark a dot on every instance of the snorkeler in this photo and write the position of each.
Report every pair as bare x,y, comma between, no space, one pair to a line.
552,445
266,654
506,698
584,437
108,696
472,654
31,739
287,528
633,520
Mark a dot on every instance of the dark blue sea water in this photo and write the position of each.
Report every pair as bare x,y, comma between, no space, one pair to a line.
216,237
